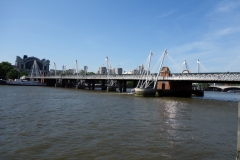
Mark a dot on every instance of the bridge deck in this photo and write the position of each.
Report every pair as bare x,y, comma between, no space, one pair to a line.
201,77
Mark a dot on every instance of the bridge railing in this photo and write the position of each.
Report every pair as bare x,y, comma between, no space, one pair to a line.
96,76
205,77
176,77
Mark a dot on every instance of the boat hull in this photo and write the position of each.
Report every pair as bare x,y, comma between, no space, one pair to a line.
145,92
25,83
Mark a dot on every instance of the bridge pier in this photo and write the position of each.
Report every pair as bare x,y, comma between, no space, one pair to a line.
135,83
124,85
120,86
60,83
64,83
93,84
103,84
50,82
176,89
89,84
68,84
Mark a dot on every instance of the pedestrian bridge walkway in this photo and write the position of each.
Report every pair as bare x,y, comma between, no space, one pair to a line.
230,77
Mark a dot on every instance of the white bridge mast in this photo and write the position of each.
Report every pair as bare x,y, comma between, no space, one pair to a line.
144,83
160,67
35,71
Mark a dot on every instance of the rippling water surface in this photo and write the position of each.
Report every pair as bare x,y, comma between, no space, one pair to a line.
59,123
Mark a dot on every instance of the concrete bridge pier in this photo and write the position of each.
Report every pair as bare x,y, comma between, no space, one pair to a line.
103,84
56,83
89,84
120,86
124,85
93,84
80,85
50,82
64,83
135,84
68,83
60,83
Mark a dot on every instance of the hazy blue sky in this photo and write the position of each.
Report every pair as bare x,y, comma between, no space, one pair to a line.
124,30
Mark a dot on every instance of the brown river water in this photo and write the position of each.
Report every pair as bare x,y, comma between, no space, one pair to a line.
60,123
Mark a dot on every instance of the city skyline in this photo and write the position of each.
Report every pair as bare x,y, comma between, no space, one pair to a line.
125,31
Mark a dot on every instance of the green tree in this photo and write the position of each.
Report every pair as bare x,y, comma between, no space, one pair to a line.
5,67
90,73
23,73
130,84
81,72
12,74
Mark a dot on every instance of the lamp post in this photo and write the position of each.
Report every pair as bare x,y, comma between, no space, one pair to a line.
76,67
198,66
55,67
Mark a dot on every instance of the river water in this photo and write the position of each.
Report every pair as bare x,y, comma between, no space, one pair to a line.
59,123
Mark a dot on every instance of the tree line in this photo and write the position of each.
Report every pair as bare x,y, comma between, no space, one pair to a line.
7,71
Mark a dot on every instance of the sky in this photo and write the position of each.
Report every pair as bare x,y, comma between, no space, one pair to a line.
126,31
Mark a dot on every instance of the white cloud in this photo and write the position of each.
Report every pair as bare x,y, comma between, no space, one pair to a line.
215,51
226,6
221,32
164,15
224,32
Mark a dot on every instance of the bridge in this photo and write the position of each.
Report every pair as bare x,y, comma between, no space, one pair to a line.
162,80
224,88
230,77
145,74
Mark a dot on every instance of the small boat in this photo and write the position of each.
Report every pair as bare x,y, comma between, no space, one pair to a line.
233,91
23,82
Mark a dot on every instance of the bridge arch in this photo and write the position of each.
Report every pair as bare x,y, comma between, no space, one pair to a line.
223,88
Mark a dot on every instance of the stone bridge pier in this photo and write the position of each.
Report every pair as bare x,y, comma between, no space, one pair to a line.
175,88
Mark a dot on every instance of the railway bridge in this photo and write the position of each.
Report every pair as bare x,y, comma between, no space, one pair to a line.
164,81
174,79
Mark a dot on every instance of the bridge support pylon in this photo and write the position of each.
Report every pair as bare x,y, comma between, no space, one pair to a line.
124,85
135,83
93,84
103,84
120,86
175,88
